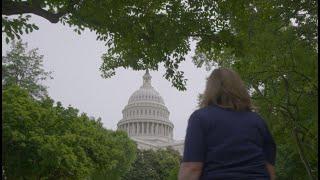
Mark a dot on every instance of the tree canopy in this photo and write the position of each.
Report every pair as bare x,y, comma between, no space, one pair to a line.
142,34
139,34
41,140
156,165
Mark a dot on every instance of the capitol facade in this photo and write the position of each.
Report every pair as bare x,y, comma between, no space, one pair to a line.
146,119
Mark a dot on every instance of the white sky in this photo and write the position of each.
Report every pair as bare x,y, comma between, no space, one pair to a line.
75,61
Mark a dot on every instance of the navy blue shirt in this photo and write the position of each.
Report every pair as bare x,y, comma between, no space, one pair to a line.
231,144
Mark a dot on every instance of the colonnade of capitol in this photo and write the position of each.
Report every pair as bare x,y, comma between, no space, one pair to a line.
147,128
146,119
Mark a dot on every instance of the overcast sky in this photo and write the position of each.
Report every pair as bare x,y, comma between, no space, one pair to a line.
75,61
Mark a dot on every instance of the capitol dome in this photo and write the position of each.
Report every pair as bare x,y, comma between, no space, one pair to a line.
146,94
146,117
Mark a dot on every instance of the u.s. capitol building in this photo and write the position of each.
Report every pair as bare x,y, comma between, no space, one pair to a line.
146,119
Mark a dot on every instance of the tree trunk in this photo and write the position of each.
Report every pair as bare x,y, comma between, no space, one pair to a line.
302,156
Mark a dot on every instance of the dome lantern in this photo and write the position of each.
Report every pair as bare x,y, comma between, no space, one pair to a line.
146,79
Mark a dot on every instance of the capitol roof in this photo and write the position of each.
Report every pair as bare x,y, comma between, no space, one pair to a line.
146,92
146,119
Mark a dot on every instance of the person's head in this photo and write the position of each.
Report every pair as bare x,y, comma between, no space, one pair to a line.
226,89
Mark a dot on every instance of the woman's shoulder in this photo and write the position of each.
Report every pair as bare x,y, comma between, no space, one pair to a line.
211,109
214,110
202,111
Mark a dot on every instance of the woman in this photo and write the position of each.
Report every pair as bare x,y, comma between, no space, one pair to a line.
225,139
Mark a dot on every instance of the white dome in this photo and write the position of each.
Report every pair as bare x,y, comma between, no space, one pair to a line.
146,116
148,94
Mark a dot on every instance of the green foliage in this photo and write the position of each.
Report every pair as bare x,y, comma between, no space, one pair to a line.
14,28
45,141
24,69
155,165
139,34
142,34
174,172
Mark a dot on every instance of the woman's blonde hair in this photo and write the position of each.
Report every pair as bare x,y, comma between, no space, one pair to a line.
226,89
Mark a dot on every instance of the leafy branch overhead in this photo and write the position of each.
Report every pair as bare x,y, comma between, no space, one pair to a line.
142,34
139,34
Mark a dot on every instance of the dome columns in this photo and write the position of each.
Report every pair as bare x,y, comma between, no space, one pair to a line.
148,128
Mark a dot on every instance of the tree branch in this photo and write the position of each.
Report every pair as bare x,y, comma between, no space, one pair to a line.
302,155
14,8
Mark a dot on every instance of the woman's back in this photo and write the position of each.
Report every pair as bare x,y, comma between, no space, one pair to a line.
231,144
227,143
